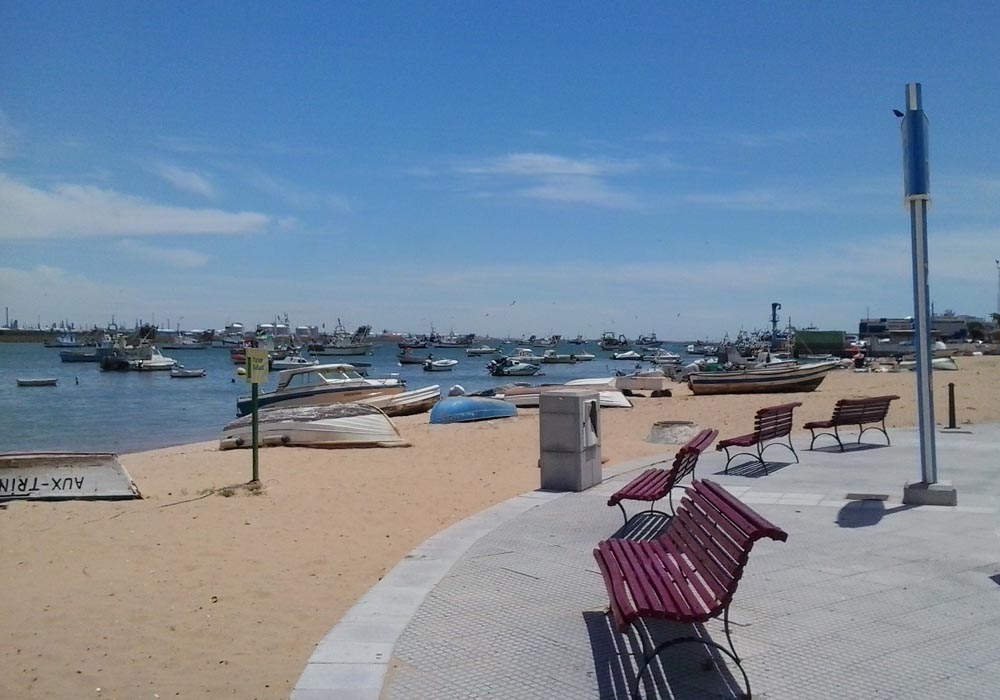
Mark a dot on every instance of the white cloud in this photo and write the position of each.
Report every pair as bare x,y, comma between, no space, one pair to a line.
171,257
296,196
70,210
184,180
580,190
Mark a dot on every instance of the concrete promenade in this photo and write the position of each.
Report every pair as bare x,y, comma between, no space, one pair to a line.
867,599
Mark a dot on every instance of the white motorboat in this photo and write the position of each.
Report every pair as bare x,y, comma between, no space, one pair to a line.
663,357
442,365
526,355
481,350
335,425
407,403
291,362
550,357
529,396
627,355
182,372
319,385
148,358
509,367
944,363
584,356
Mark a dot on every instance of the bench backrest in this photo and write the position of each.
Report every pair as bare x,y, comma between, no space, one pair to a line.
714,532
687,457
774,421
857,411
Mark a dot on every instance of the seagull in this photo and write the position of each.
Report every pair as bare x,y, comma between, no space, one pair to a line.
897,113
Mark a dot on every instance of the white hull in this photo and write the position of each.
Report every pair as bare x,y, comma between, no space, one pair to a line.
328,426
529,397
408,403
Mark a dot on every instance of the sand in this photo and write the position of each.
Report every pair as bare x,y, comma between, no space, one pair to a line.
189,593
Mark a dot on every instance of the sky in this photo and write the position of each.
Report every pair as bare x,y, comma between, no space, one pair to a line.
500,168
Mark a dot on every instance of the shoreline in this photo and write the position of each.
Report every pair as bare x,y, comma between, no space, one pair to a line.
190,593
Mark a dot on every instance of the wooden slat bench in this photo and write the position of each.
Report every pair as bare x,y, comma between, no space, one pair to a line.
653,484
770,423
690,573
857,412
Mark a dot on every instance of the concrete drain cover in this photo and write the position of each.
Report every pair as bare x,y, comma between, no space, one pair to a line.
672,432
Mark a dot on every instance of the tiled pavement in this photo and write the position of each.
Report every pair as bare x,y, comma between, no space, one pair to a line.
866,599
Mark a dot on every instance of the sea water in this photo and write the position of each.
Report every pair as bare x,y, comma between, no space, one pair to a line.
94,411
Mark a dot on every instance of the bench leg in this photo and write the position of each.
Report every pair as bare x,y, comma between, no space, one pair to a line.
652,511
730,458
875,427
730,652
835,435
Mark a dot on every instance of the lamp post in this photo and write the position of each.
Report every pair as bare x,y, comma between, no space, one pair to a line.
916,185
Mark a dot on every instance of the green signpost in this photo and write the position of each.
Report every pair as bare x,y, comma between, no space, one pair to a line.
257,366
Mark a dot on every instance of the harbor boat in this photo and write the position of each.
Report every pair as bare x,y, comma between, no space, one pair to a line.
335,425
41,381
943,363
443,365
627,355
407,403
319,385
509,367
66,340
412,343
465,409
760,381
550,357
481,350
610,341
408,358
529,396
344,344
584,356
543,342
455,341
182,372
147,358
649,341
291,362
578,340
526,355
663,357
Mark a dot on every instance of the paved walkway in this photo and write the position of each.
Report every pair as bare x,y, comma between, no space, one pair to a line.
866,599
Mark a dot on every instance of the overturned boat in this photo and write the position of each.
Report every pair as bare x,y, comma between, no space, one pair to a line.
466,409
783,379
408,403
335,425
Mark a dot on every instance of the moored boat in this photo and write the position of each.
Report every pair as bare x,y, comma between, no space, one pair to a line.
408,358
334,425
509,367
465,409
40,381
481,350
181,372
760,381
443,365
319,385
550,357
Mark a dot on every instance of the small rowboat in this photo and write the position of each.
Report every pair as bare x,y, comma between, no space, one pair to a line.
44,381
439,365
184,373
464,409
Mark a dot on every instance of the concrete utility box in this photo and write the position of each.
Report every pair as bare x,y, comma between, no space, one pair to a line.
569,428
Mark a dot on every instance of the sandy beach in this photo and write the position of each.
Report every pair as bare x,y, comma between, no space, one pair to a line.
193,593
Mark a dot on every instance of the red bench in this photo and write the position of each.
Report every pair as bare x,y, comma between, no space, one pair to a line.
853,412
654,484
690,573
770,423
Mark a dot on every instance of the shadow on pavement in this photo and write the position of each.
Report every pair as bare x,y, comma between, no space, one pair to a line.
866,512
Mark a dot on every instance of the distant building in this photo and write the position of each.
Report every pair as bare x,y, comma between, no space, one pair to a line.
946,326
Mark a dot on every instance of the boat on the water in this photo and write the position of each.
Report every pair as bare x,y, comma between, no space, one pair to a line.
465,409
630,355
334,425
181,372
510,367
443,365
551,357
148,358
649,341
610,341
481,350
584,356
578,340
40,381
408,402
319,385
344,343
781,379
408,358
66,340
291,362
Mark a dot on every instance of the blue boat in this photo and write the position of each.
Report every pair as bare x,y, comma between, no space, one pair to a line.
465,409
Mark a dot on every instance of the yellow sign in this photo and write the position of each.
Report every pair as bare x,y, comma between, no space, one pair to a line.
257,365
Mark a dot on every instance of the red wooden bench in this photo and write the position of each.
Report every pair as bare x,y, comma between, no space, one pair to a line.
654,484
689,574
853,412
770,423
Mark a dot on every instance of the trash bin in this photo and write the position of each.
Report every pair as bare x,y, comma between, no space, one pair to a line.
569,428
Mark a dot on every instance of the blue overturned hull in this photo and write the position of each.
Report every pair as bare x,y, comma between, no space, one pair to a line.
465,409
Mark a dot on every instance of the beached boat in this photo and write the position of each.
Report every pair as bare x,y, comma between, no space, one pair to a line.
335,425
320,385
443,365
943,363
465,409
529,396
509,367
181,372
760,381
41,381
407,403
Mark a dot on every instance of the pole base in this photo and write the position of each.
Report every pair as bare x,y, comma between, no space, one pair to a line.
920,493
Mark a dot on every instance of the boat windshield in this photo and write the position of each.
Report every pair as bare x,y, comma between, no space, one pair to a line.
339,374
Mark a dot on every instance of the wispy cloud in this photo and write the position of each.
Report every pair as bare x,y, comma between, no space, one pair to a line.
71,210
546,165
171,257
296,196
184,180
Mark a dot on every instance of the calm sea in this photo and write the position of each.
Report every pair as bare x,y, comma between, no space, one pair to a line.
90,410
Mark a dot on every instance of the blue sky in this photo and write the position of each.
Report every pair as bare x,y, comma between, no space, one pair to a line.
504,168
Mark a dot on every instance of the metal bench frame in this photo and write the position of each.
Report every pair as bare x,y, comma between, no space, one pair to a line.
851,412
687,575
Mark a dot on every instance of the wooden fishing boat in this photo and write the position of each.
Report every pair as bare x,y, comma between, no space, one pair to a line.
760,381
